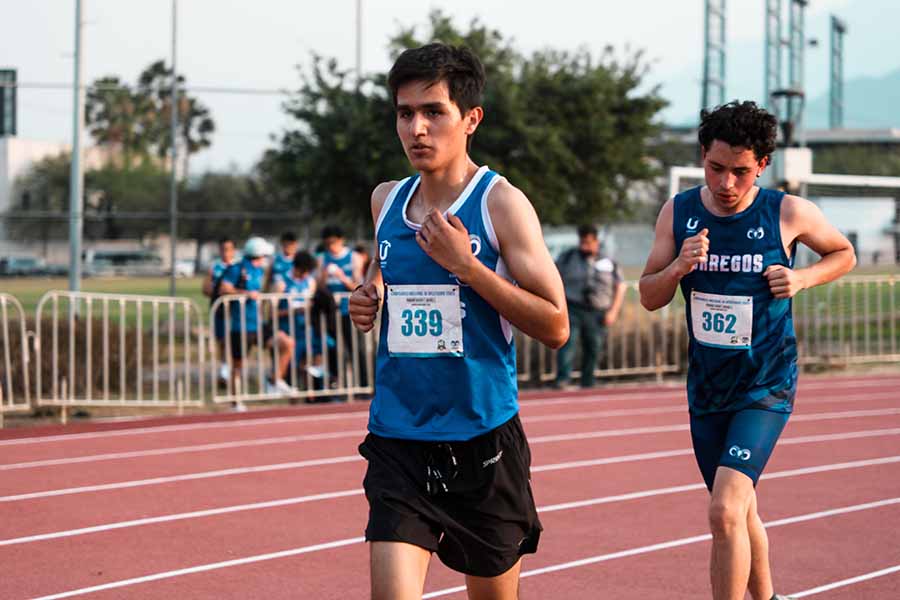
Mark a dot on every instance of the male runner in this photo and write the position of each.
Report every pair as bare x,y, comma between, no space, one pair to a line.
731,247
448,462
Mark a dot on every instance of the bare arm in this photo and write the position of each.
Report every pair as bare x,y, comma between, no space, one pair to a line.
366,299
664,269
537,305
618,299
801,220
208,284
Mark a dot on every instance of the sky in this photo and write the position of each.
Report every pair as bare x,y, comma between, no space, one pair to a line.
259,44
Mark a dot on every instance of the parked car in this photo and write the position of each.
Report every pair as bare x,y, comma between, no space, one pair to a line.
185,267
22,266
105,263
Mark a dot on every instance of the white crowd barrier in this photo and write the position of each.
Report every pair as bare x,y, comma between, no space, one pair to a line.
15,389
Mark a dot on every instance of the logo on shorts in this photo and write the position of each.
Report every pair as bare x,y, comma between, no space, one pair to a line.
492,461
756,233
738,452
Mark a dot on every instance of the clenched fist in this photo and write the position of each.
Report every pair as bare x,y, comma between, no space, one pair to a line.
364,303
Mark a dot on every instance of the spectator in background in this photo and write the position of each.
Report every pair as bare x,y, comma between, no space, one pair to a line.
341,270
365,256
284,261
211,290
594,291
300,280
246,278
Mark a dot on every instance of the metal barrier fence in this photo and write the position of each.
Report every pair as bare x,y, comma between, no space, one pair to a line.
639,343
854,320
15,391
301,350
95,349
111,350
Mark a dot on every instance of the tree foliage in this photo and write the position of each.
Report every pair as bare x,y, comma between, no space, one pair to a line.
137,120
569,128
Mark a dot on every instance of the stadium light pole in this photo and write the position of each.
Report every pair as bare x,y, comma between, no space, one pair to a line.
76,171
173,184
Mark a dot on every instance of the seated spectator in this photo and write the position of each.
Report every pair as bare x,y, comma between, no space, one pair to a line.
300,281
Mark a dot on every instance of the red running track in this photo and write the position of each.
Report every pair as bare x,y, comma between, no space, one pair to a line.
269,504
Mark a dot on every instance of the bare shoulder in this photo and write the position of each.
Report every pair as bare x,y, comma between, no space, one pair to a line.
798,212
379,196
505,198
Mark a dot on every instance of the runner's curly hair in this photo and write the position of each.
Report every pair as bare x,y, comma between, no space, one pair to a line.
740,124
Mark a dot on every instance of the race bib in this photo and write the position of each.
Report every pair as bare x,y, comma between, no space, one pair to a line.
425,321
722,321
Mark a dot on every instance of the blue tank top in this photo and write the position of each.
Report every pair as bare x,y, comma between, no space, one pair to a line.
443,399
282,265
345,263
741,247
244,276
293,286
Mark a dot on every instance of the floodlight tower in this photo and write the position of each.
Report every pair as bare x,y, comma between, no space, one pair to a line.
836,110
714,54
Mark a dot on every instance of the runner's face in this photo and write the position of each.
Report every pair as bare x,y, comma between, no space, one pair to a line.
431,128
730,173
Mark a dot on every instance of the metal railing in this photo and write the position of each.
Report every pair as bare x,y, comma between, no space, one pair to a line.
94,349
15,391
853,320
329,357
639,343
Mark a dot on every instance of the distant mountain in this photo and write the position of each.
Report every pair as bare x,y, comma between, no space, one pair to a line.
869,103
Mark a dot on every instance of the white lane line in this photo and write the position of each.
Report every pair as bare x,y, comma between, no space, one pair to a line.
185,477
355,492
677,392
846,582
183,449
361,433
679,542
201,568
356,457
350,541
68,437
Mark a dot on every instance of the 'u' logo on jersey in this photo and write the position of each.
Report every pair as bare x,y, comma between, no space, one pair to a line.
693,223
383,249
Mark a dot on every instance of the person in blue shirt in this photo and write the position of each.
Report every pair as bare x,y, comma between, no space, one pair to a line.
284,260
246,278
301,282
730,245
460,260
340,271
211,290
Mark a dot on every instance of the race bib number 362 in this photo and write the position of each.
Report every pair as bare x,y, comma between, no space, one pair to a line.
425,321
722,321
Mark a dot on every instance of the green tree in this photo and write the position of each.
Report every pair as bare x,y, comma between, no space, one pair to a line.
862,159
40,192
137,120
571,130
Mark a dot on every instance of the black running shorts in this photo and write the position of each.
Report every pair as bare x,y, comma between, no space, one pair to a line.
470,502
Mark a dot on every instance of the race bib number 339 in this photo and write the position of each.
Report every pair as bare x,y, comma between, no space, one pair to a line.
425,321
722,321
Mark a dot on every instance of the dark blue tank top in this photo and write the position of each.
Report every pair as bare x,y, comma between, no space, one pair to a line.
762,370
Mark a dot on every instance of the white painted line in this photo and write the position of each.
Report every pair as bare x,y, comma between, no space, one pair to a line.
201,568
361,433
185,477
181,516
183,449
68,437
354,458
346,542
345,493
846,582
676,543
677,392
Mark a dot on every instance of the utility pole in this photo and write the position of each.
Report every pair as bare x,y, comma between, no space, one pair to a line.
173,186
76,173
714,54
